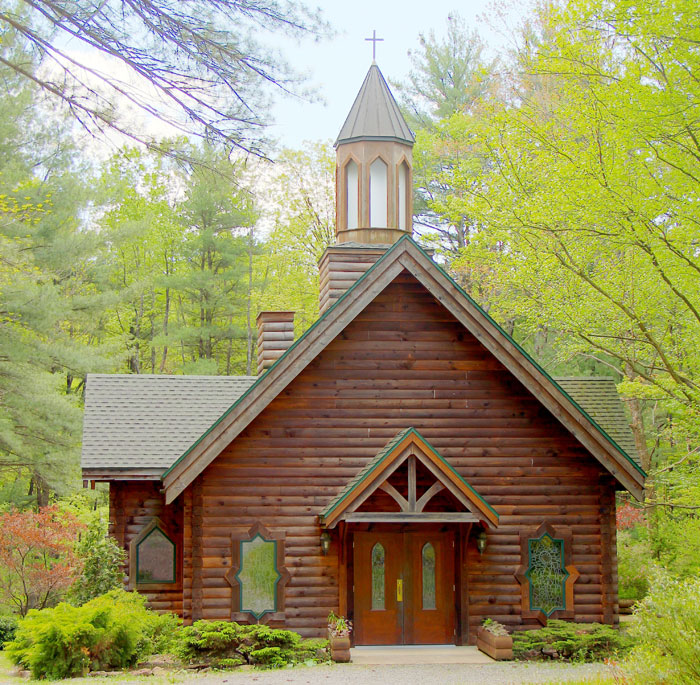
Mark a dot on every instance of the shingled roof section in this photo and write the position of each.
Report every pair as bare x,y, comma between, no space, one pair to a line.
598,397
143,423
375,115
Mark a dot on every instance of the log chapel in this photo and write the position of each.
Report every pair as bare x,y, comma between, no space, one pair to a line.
404,463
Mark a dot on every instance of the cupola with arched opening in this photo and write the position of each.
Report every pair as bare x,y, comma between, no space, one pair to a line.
374,158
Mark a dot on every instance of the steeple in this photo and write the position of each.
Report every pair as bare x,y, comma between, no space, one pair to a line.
374,159
375,115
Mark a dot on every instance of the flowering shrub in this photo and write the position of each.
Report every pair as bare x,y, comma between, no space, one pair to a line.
628,517
37,560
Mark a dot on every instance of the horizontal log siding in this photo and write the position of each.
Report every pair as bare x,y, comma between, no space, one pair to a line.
132,506
405,361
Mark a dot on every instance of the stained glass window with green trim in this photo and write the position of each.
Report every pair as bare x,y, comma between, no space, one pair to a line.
378,579
547,574
155,558
258,576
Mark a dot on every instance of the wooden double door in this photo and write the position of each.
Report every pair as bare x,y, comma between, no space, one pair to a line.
404,588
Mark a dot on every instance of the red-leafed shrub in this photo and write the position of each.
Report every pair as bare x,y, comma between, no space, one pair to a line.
629,516
37,561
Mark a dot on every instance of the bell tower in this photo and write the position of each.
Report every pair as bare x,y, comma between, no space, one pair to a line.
373,187
374,168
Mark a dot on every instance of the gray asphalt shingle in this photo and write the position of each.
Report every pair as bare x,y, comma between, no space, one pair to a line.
145,423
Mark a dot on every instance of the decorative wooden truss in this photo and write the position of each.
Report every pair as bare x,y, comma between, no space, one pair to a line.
407,446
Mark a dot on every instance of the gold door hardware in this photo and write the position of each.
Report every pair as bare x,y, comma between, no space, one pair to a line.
399,590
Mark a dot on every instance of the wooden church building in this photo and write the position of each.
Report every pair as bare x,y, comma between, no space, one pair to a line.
403,463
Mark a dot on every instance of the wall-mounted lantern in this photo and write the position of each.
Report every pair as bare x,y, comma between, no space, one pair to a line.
481,542
325,542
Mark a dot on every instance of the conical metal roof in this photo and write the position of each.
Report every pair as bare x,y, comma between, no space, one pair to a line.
375,115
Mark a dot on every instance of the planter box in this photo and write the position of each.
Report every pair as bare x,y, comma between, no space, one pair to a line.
499,647
340,649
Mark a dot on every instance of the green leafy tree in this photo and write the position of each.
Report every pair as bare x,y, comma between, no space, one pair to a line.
449,77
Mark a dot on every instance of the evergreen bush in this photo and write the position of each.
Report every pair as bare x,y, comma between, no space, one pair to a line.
109,632
570,642
667,633
8,627
224,644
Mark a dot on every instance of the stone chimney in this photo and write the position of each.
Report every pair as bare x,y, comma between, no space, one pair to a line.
275,337
373,192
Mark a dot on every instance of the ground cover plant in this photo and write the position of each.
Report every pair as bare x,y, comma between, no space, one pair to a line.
110,632
224,644
570,642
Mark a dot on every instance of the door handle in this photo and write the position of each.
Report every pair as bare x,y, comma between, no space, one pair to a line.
399,590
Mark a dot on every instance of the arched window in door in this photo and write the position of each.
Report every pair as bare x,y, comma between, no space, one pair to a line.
378,576
428,568
378,197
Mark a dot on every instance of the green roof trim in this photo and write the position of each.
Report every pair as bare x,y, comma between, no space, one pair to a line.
295,344
376,461
347,294
530,359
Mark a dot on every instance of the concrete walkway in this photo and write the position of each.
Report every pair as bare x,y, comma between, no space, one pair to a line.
420,654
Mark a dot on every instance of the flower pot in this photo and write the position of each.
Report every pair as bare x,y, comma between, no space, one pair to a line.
499,647
340,649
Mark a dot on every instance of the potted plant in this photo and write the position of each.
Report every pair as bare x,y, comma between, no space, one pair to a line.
339,629
493,639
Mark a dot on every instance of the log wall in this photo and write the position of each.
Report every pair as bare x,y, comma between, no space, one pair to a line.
405,361
132,506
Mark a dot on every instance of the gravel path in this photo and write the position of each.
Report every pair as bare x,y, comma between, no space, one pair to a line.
355,674
425,674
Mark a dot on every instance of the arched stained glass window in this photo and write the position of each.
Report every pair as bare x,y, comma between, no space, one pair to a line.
428,568
378,197
352,194
547,574
258,576
378,576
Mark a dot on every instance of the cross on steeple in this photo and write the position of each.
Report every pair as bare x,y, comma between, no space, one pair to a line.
374,40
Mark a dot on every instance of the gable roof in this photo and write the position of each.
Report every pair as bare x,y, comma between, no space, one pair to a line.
390,457
375,115
405,254
142,423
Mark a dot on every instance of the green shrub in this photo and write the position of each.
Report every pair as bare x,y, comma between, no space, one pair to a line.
667,633
8,627
570,642
634,563
102,559
111,631
224,644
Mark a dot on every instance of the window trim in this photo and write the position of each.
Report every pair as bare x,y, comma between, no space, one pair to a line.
248,535
566,536
134,582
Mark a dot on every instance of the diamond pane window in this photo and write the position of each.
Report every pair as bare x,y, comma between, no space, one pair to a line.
155,558
547,574
378,580
258,576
